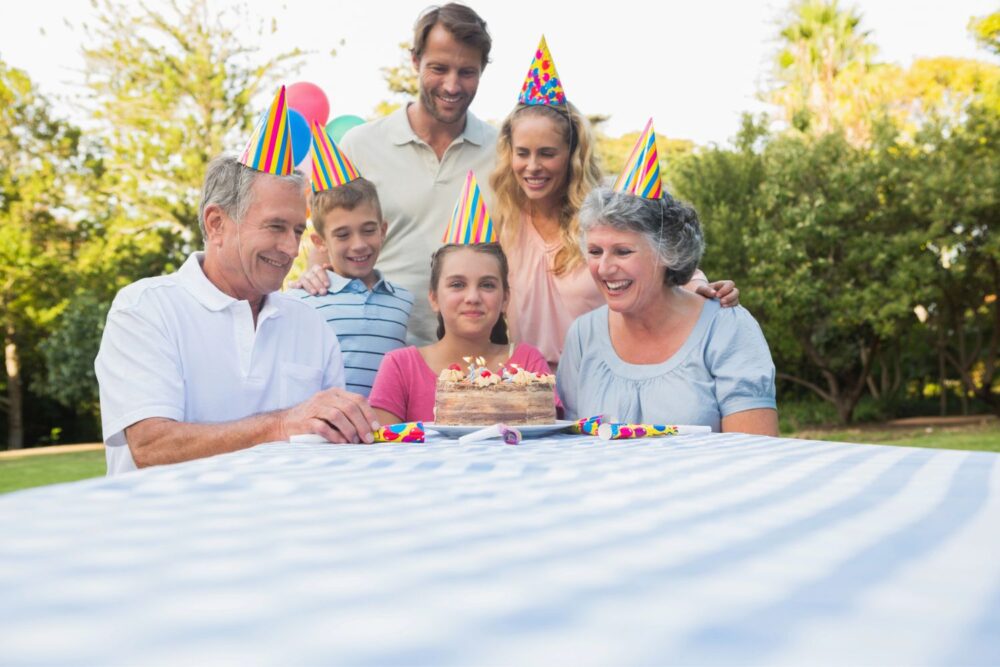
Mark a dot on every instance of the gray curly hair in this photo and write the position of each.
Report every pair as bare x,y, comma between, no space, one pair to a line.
671,227
229,185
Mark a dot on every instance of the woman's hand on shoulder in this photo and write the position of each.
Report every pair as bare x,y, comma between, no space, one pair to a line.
314,280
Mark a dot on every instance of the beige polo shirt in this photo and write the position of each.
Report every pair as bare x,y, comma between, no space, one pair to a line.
418,193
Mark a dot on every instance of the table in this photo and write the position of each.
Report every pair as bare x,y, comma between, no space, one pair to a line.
713,549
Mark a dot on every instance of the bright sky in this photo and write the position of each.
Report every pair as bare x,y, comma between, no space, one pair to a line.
692,66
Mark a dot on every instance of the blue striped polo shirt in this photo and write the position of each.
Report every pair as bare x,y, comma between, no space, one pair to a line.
368,323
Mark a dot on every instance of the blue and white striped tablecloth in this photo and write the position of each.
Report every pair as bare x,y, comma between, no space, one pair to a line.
719,549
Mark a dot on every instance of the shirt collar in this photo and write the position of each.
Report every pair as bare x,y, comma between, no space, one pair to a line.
339,283
401,133
192,276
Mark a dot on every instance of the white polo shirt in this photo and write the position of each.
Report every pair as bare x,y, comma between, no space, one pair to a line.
176,346
418,194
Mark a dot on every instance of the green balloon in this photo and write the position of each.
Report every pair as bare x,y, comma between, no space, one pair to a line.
339,126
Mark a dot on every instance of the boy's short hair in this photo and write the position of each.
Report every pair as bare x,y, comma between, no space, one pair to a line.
348,196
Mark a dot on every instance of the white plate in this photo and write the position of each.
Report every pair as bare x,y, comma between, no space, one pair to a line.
528,431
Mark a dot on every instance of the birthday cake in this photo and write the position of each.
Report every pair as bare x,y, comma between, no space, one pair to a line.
510,395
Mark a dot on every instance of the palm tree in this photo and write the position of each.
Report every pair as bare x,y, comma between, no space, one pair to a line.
822,48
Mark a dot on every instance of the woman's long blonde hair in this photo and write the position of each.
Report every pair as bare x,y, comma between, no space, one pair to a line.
584,175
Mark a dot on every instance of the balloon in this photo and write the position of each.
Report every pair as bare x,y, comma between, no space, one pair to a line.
301,136
310,101
339,126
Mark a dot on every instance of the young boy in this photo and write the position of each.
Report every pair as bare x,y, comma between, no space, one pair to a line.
367,312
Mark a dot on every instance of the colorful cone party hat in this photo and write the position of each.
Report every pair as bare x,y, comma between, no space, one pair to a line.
542,85
641,175
330,167
470,221
270,147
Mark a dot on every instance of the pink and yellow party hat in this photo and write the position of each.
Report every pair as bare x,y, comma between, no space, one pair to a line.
330,167
470,221
641,175
542,85
270,146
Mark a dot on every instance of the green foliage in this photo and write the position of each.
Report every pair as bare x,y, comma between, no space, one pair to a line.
822,55
986,30
171,86
723,185
69,354
172,90
955,178
42,168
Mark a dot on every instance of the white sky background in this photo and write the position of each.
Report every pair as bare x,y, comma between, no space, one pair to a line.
693,66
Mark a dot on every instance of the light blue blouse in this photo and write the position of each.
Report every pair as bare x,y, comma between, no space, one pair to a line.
723,367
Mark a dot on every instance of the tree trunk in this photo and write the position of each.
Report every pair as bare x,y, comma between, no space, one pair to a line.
942,370
15,423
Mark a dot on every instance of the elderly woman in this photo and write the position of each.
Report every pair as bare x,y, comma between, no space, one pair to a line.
657,353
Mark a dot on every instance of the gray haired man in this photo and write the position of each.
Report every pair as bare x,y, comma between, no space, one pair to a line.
213,358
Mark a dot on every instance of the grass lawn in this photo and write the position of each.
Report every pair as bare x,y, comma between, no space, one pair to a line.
30,471
985,438
24,472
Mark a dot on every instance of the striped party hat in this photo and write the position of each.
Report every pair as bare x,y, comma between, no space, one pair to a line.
470,221
270,147
641,175
330,167
542,85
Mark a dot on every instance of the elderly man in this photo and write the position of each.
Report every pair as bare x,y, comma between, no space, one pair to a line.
212,358
418,157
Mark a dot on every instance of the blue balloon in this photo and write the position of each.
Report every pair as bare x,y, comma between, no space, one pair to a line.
301,136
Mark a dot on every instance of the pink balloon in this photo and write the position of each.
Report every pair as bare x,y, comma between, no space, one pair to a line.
310,101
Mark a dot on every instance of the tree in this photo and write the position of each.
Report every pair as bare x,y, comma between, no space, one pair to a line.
955,180
39,160
986,31
172,89
838,254
723,185
823,62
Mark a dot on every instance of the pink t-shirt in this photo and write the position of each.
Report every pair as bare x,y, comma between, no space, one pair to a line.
405,384
542,304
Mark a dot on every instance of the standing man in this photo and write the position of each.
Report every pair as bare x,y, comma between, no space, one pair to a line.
418,156
213,358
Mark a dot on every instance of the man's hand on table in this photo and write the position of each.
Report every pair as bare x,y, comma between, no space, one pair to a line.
338,415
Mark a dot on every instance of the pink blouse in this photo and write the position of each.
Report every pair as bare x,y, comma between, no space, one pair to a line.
405,384
542,304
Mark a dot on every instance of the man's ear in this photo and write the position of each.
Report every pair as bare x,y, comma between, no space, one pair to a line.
215,219
415,61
